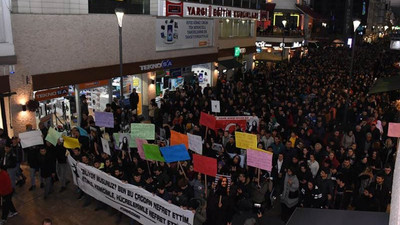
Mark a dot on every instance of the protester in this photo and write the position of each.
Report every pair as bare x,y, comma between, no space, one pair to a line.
6,192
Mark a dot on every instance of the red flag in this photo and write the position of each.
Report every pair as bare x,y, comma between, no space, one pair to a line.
205,165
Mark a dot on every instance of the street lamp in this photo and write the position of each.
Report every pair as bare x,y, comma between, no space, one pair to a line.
356,24
120,15
284,22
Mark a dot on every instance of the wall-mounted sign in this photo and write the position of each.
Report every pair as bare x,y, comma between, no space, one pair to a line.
51,93
236,51
183,33
93,84
171,8
161,65
263,44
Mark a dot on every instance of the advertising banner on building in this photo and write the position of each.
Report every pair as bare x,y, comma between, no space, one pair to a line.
189,9
135,202
172,34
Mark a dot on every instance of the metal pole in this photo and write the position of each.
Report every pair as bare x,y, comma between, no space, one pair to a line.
283,43
346,108
78,105
120,63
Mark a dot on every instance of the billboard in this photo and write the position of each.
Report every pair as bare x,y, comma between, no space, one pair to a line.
173,34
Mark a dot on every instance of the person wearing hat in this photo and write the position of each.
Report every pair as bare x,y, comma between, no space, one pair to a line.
6,192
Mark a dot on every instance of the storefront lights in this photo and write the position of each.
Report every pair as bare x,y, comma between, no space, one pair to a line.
284,22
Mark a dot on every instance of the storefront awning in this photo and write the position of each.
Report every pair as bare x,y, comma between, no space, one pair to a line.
307,10
231,63
386,84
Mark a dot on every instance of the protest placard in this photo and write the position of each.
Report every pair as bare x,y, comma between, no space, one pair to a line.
104,119
71,143
31,138
175,153
139,143
245,140
152,152
215,106
242,158
195,143
178,138
135,202
106,146
143,130
207,120
205,165
53,136
394,130
83,132
259,159
123,141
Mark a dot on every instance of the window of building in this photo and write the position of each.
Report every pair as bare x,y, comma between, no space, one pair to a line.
245,4
237,3
228,2
130,6
230,28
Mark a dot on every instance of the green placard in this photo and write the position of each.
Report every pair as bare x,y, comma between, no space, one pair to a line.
53,136
143,130
152,152
237,51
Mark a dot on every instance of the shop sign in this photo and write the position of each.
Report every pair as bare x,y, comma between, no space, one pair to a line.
172,8
236,51
51,93
172,34
161,65
262,44
93,84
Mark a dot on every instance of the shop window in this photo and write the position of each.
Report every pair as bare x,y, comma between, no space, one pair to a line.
205,1
130,6
217,2
236,28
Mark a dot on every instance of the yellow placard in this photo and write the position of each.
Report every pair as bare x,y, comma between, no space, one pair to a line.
245,140
139,106
71,143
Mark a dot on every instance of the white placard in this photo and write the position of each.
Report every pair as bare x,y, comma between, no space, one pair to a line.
195,143
31,138
215,106
106,146
172,33
133,201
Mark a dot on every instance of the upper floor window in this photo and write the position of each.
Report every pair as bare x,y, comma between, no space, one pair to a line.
130,6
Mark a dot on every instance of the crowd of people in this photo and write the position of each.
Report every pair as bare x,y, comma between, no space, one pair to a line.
329,139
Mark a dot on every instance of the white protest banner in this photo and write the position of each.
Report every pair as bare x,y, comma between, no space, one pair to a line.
31,138
106,146
131,200
195,143
215,106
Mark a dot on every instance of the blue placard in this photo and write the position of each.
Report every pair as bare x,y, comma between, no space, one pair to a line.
175,153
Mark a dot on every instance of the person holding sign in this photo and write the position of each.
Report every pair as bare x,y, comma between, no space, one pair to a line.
220,205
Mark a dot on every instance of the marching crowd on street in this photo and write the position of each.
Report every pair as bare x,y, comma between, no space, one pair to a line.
329,139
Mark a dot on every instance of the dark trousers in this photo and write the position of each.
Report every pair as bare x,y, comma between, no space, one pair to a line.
8,206
286,212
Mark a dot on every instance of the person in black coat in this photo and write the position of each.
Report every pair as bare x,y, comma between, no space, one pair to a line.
9,162
220,205
380,192
47,164
133,99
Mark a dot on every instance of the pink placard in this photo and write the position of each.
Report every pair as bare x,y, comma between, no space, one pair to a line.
139,143
394,130
259,159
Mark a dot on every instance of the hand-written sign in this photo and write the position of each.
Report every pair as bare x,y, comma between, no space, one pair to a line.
195,143
175,153
31,138
259,159
53,136
104,119
133,201
145,131
178,138
394,130
245,140
205,165
207,120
